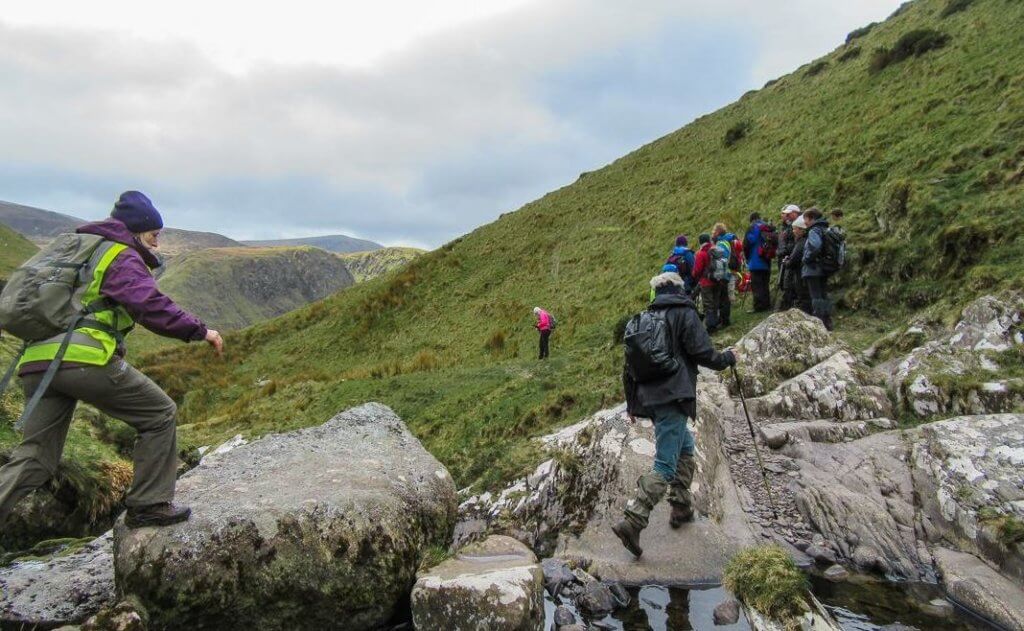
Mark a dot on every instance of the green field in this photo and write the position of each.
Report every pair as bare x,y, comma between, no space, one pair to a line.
925,156
14,250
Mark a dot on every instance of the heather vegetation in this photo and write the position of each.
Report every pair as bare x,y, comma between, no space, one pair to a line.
926,158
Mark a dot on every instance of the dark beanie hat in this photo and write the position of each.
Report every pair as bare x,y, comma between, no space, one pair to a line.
136,212
681,240
704,238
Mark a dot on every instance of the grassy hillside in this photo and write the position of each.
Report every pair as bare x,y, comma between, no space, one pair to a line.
337,243
14,250
925,155
369,265
230,288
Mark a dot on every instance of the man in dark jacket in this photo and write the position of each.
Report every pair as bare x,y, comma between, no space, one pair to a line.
760,267
96,372
813,273
794,282
787,241
669,402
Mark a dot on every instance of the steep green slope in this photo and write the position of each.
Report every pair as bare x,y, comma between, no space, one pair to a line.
234,287
925,156
369,265
14,250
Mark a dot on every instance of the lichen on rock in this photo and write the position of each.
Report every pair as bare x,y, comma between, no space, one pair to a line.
323,524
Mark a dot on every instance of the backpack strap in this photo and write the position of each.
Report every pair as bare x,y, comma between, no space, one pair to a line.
10,369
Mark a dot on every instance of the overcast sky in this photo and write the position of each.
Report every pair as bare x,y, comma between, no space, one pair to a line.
399,121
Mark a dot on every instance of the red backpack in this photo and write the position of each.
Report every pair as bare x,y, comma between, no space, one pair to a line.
769,242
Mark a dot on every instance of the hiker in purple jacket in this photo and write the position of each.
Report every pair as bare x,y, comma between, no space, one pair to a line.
95,371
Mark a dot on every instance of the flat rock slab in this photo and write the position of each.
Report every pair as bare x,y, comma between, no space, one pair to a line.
321,525
695,554
496,584
63,590
976,586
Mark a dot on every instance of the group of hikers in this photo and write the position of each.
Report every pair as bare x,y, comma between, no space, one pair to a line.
667,343
806,249
75,300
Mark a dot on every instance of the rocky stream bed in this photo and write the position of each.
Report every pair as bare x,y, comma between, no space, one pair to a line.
903,524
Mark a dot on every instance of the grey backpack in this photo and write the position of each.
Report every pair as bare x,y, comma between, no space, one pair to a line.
42,299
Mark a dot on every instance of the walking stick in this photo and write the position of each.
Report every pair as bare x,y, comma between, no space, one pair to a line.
753,437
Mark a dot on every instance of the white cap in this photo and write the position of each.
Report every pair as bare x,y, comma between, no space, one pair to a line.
791,208
800,223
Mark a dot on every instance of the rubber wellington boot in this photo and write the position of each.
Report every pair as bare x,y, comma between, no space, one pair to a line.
629,534
679,496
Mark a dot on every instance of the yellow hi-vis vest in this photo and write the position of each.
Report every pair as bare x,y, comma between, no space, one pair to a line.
92,346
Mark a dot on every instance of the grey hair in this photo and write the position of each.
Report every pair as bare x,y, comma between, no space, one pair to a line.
668,278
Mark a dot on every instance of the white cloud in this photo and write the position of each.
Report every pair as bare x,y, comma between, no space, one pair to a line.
450,116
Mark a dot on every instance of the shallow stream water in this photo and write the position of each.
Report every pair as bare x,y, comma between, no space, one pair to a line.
858,606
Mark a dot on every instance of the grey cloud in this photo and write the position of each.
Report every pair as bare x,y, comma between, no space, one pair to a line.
427,144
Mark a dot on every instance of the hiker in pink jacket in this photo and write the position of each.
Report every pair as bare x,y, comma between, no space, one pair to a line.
545,324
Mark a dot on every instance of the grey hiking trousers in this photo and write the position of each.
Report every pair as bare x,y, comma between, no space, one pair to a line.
117,390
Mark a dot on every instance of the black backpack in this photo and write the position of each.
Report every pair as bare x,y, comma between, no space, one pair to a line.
833,250
649,346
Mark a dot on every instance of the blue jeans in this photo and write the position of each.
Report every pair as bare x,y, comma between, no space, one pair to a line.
672,437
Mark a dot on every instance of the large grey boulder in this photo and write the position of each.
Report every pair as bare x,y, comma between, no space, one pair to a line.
957,373
840,388
969,473
496,585
860,496
320,525
975,585
782,346
63,590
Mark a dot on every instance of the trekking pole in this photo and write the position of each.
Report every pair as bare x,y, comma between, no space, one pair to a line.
753,437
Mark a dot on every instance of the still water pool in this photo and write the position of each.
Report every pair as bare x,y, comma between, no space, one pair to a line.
858,606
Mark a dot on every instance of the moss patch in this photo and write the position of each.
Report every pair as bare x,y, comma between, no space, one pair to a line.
766,579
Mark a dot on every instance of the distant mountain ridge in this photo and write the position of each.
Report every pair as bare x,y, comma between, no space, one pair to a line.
231,288
40,226
337,243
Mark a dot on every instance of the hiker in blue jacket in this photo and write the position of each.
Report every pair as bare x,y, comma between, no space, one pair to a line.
759,263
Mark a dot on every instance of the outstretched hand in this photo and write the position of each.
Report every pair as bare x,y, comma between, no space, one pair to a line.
214,339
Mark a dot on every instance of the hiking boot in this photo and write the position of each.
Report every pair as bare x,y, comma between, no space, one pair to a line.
163,514
681,514
629,534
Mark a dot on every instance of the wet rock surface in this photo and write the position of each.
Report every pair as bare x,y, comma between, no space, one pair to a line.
975,585
495,584
727,612
324,524
62,590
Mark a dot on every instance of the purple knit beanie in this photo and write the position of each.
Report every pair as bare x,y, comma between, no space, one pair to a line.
135,211
681,240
